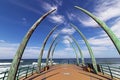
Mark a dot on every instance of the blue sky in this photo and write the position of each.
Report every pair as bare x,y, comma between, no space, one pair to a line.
17,16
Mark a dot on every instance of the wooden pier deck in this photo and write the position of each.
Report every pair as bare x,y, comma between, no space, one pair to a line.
66,72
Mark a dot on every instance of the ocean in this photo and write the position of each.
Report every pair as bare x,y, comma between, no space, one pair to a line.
5,63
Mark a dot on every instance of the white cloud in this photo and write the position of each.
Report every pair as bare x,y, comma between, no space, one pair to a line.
116,28
66,42
101,48
1,41
68,49
88,22
68,31
101,44
71,16
103,39
64,54
8,50
104,10
57,18
31,52
55,34
85,21
67,37
107,9
100,41
65,31
48,6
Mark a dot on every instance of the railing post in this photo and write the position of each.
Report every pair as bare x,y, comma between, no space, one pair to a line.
27,72
33,69
110,72
4,75
68,61
18,74
102,69
74,62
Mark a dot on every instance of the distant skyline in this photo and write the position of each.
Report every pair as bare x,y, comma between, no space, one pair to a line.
17,16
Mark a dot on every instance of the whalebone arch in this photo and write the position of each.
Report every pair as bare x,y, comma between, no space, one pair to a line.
16,61
78,46
112,36
49,51
108,31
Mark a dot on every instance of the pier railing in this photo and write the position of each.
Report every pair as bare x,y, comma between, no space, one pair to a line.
23,72
114,72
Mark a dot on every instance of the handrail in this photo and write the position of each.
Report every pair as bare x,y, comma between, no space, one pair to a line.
23,72
114,72
4,75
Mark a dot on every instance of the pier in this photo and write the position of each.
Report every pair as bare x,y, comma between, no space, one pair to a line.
63,71
66,72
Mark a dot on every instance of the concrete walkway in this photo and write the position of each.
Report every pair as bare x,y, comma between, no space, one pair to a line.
66,72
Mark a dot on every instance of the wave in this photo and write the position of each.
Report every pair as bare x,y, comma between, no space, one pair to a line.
35,63
4,69
5,64
21,61
43,64
115,65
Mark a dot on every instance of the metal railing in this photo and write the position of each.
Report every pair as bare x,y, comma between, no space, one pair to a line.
4,75
22,72
114,72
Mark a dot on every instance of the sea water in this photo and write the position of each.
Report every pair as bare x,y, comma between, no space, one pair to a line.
5,63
